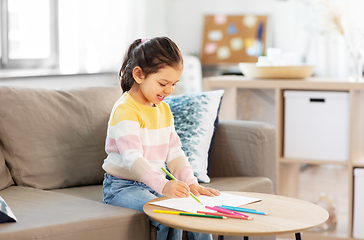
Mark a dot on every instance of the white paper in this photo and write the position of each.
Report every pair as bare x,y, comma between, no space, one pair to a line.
191,205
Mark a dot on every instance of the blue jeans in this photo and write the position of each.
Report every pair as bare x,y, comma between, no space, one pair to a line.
134,194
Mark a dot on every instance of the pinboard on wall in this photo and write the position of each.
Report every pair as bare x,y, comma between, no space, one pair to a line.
230,39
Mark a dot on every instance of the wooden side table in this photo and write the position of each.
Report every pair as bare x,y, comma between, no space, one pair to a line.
287,215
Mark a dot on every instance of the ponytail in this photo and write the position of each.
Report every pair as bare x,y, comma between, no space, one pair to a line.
126,70
150,55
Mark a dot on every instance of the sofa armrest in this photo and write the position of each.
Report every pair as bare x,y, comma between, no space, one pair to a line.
244,148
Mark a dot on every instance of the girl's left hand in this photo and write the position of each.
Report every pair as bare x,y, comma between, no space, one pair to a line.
197,189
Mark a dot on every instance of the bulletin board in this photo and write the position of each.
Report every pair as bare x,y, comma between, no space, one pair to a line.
230,39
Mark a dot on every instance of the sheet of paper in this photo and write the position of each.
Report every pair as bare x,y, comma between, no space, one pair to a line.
191,205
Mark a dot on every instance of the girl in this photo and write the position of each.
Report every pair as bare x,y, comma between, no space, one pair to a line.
141,135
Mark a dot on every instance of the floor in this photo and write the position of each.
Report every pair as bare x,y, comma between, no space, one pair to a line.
331,181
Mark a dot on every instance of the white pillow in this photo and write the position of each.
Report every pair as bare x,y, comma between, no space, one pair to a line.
195,121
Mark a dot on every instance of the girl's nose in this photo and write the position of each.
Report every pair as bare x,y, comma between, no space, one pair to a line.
168,90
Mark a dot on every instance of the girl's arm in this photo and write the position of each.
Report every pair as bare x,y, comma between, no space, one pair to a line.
178,164
125,149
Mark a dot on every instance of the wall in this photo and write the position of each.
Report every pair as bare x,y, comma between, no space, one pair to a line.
294,26
94,36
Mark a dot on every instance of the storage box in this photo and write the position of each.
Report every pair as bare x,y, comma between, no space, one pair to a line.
316,125
358,216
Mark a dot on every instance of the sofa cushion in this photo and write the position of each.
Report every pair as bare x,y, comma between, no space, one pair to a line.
54,139
88,192
5,177
48,215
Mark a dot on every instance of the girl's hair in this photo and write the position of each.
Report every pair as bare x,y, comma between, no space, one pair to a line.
150,55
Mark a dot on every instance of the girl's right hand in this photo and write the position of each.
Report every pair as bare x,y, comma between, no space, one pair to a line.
176,189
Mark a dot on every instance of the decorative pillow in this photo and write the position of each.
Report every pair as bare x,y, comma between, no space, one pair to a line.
5,177
195,121
55,139
6,215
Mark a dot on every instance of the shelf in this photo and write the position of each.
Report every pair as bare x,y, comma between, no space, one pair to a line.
314,236
359,163
290,169
313,83
313,162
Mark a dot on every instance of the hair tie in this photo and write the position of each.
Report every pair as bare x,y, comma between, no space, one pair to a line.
144,39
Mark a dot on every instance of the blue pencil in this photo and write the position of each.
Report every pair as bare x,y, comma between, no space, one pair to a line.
247,210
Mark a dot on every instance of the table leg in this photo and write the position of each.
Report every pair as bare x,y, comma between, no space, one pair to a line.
298,236
221,237
246,238
170,233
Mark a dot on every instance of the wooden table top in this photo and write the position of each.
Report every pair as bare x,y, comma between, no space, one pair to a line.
287,215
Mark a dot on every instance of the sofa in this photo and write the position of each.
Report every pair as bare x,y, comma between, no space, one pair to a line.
52,149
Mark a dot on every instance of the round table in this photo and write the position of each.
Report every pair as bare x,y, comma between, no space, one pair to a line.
287,215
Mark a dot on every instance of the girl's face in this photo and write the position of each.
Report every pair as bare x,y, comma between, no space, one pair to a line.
156,86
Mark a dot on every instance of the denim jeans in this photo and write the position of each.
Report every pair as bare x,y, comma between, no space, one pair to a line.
134,194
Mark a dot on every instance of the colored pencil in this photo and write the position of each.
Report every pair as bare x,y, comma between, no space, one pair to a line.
190,214
174,178
247,210
226,215
226,211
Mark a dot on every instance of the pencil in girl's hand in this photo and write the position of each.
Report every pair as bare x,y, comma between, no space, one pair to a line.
174,178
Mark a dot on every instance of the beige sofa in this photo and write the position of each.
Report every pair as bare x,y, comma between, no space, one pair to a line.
52,149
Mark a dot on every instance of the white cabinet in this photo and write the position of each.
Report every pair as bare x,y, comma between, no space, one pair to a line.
316,125
358,217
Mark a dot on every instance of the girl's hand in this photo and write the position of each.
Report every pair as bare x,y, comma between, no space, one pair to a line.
197,189
176,189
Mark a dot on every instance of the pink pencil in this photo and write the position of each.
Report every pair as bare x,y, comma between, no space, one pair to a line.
226,215
223,210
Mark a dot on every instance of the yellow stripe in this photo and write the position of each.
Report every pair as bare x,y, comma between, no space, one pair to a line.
151,118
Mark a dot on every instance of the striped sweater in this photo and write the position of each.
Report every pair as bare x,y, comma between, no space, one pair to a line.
140,140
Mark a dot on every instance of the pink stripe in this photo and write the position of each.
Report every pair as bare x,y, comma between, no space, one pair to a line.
130,142
157,152
110,145
174,140
186,175
154,180
127,142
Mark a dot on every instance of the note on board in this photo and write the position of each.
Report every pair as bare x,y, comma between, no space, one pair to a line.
210,48
236,44
249,21
220,19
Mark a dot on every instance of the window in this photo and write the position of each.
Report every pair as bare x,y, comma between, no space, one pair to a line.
29,34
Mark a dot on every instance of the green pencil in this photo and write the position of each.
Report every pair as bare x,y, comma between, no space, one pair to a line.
189,214
171,176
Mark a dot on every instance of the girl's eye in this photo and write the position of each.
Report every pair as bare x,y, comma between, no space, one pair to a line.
163,85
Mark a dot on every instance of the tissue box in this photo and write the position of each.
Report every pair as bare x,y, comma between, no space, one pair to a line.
316,125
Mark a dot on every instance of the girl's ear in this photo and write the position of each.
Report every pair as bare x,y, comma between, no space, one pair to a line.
138,74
